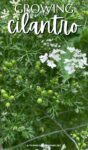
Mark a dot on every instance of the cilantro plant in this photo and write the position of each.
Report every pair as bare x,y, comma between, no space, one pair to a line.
44,83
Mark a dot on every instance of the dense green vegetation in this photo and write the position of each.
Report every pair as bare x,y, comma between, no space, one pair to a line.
44,83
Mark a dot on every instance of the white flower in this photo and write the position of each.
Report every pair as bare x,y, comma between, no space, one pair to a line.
58,51
70,68
43,58
78,60
71,49
15,2
54,56
81,60
5,13
77,53
80,64
51,64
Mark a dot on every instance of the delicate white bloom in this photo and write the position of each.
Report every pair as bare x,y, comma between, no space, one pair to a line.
77,53
58,51
51,64
81,60
5,13
54,56
70,68
76,60
43,58
80,64
15,2
71,49
84,55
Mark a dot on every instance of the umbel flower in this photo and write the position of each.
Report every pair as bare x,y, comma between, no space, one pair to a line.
52,57
77,60
43,58
55,55
70,68
51,64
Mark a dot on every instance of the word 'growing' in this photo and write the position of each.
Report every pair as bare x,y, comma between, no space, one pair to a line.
44,9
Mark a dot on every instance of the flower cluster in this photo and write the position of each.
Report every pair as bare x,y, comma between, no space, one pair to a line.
52,57
76,60
49,43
